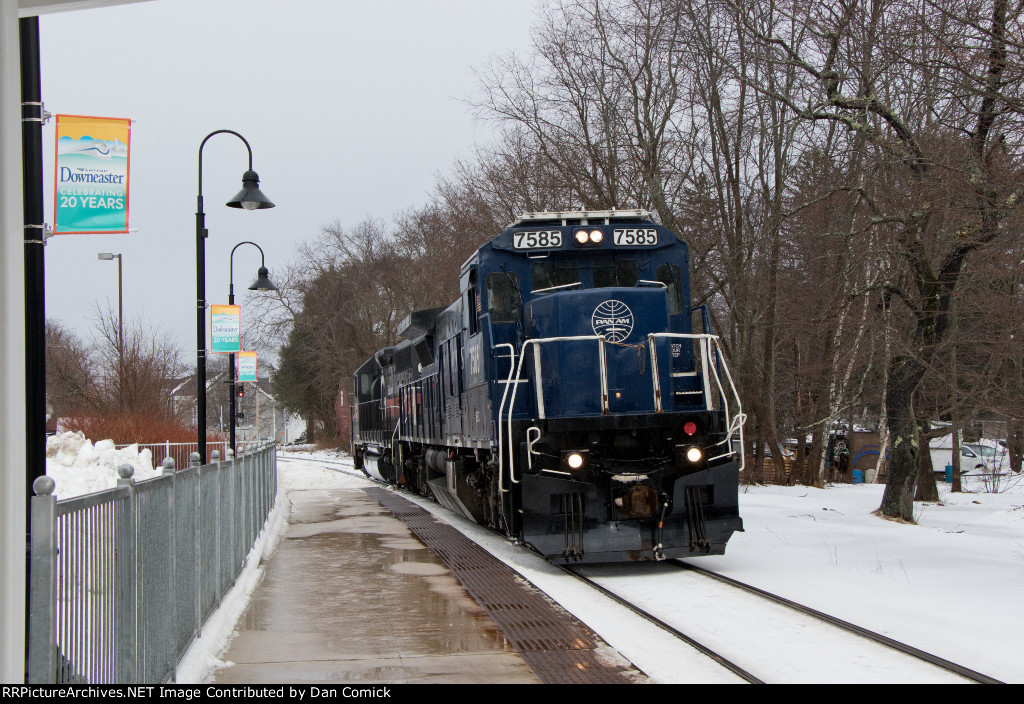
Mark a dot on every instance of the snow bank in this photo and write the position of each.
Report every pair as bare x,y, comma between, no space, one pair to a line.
78,467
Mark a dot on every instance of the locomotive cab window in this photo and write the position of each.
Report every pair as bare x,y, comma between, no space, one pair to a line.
473,305
672,276
550,274
503,299
621,272
365,386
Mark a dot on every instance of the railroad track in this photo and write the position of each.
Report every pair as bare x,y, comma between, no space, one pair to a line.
942,663
744,672
694,643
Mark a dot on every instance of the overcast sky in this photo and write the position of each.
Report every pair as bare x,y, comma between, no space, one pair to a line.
351,108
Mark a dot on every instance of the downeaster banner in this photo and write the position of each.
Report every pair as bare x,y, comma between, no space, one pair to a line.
90,193
247,366
225,329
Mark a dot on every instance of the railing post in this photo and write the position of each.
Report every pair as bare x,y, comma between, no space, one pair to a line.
42,647
126,565
172,525
230,518
655,377
217,526
197,535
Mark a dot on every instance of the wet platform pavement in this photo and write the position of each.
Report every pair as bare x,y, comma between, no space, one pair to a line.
352,596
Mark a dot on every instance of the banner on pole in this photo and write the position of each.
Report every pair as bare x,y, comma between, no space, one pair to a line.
225,329
90,192
247,366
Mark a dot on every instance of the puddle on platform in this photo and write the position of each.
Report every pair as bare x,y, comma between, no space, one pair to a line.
419,569
361,579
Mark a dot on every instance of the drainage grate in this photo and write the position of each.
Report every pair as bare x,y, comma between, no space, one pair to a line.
559,648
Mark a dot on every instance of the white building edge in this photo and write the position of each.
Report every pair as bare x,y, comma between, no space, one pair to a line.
12,330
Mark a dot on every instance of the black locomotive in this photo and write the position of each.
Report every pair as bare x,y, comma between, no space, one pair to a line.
565,399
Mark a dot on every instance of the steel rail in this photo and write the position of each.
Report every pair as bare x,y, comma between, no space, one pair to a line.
700,647
351,471
846,625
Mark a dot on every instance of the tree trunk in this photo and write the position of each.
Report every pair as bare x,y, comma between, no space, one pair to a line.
311,427
1015,443
898,499
926,487
956,458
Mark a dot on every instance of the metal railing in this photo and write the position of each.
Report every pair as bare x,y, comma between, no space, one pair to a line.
122,580
181,452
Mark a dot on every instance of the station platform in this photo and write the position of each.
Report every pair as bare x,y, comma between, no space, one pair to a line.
366,587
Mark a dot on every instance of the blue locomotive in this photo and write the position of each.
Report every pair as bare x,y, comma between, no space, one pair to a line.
565,399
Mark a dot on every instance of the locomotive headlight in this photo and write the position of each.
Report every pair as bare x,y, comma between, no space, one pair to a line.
574,460
588,238
694,455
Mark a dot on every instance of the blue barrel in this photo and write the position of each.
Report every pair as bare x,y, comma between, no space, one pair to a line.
858,476
949,474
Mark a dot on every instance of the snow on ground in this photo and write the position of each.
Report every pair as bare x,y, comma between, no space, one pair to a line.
953,584
78,467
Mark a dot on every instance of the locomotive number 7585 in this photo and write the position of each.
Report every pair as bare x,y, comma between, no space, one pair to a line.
543,239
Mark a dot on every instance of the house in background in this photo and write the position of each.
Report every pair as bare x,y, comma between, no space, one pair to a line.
262,418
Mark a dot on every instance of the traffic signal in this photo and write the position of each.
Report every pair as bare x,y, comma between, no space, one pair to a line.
241,390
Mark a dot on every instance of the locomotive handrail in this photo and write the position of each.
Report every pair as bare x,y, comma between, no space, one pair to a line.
709,371
501,408
549,289
539,391
737,421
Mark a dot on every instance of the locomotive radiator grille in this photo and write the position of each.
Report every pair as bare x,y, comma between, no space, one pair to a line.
559,649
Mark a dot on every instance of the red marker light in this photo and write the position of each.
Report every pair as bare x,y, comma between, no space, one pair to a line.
690,427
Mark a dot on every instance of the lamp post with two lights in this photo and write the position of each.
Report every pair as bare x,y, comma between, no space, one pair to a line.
262,283
249,198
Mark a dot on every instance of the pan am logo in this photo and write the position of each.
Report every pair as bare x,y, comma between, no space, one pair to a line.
612,320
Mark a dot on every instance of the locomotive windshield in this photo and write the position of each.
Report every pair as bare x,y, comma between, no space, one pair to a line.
604,272
552,274
615,272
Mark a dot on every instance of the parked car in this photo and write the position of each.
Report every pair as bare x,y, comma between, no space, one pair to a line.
995,456
975,458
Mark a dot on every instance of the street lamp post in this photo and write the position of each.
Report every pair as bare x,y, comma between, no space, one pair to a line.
107,256
249,198
262,283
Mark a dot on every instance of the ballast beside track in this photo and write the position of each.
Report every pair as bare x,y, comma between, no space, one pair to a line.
558,648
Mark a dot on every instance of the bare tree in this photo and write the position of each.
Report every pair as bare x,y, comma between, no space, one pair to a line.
70,375
932,87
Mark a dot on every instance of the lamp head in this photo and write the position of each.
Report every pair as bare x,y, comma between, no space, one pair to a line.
262,282
250,197
105,256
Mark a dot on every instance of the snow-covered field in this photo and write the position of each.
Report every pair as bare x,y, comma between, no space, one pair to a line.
953,584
